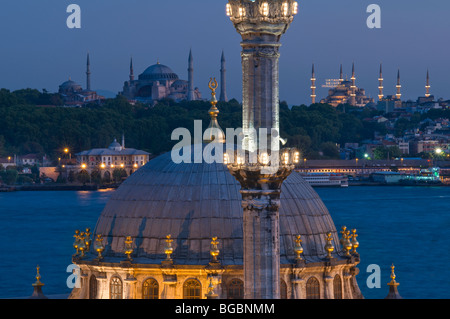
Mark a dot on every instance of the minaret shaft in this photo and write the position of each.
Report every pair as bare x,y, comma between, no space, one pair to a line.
88,74
191,93
380,87
260,189
399,87
223,80
260,89
313,86
131,70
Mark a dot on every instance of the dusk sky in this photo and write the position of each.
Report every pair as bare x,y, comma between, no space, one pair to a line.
39,51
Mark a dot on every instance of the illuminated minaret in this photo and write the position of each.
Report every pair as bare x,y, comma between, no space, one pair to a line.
131,70
427,94
191,94
261,24
380,87
223,80
399,87
341,76
88,74
353,87
313,86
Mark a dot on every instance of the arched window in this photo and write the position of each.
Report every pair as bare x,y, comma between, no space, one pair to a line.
312,289
115,288
283,290
150,289
236,289
337,287
93,287
192,289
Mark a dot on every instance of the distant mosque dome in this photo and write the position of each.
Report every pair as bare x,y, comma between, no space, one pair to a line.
70,87
158,72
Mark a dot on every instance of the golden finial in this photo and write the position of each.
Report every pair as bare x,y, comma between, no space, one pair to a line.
82,244
393,276
347,243
168,250
214,249
216,133
344,229
88,240
99,247
77,241
329,248
355,242
298,247
38,277
128,247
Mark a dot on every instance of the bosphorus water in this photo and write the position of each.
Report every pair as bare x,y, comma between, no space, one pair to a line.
401,225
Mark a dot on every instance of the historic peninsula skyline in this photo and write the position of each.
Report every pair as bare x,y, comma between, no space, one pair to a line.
409,32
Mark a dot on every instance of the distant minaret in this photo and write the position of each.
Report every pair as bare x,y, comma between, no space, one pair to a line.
131,70
399,94
341,76
223,80
88,74
353,87
313,86
380,87
191,94
428,85
123,141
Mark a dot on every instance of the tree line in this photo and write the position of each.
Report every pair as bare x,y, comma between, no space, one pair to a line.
34,122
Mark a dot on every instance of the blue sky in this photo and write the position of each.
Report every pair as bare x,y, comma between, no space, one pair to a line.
39,51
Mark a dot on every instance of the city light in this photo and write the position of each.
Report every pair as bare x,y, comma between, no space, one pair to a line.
83,166
438,151
103,165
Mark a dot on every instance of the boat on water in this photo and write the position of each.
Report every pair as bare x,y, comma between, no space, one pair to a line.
325,179
429,176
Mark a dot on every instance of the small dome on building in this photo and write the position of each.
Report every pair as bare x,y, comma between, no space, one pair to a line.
115,146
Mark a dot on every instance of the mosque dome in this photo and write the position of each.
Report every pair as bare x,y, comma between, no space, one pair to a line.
158,72
195,202
70,86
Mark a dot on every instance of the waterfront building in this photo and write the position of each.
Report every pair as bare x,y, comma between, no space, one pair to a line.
116,156
74,95
209,230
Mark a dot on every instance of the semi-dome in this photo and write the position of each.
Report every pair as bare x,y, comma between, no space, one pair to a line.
195,202
158,72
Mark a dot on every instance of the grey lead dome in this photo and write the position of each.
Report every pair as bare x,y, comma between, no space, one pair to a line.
195,202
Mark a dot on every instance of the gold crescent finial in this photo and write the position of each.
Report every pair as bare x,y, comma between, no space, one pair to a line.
213,85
